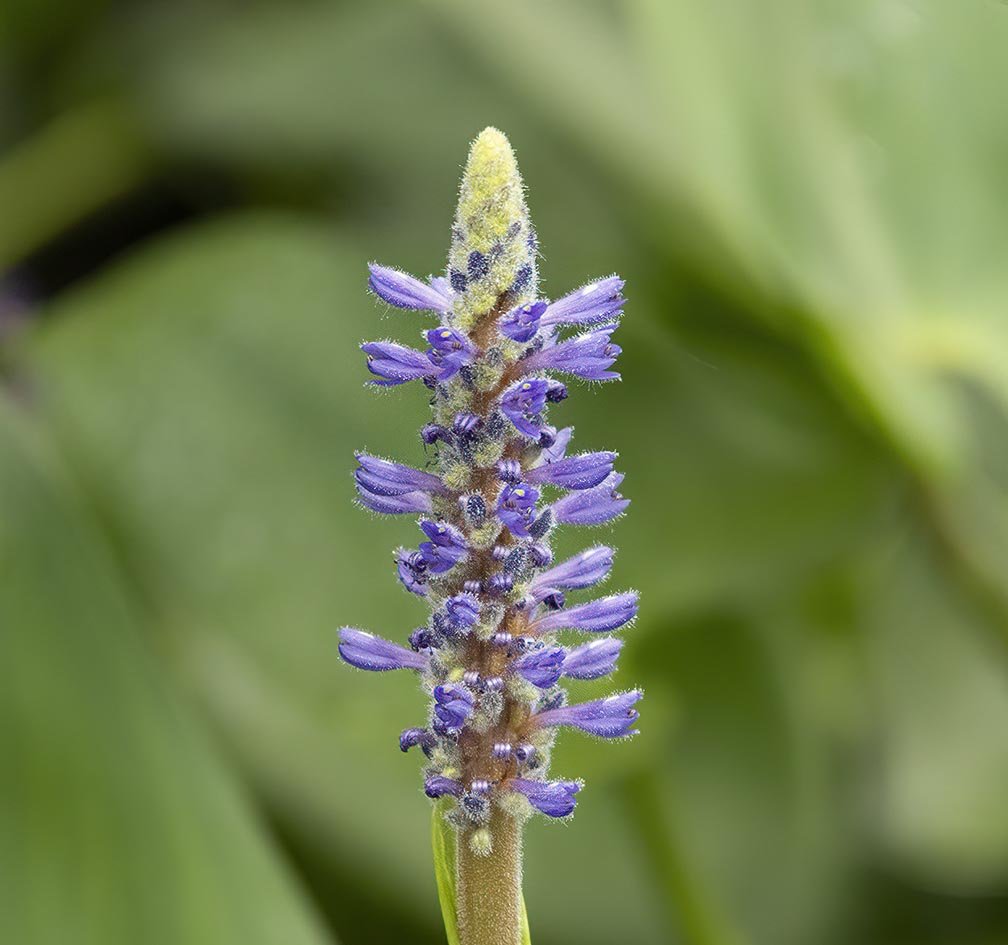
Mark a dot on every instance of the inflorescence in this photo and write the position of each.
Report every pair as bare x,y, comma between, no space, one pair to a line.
490,654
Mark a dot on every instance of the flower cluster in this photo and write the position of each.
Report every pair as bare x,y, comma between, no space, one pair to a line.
503,478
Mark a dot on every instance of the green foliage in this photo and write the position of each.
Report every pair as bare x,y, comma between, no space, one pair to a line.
119,821
443,841
806,201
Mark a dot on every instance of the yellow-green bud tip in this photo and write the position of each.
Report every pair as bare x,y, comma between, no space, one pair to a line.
492,258
491,157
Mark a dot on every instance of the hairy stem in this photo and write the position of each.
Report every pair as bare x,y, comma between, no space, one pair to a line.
489,887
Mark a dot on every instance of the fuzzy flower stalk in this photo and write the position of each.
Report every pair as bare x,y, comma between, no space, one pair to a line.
502,633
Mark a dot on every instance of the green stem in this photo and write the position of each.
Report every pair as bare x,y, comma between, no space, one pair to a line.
691,908
489,887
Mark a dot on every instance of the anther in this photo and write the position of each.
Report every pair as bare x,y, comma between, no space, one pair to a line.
465,423
509,470
500,583
540,554
524,754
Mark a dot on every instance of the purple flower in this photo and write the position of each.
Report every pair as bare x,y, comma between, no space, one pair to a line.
516,507
540,555
396,364
450,349
416,736
465,424
405,291
591,506
462,611
423,638
443,285
446,548
588,356
452,706
509,470
542,667
521,323
557,448
384,478
525,754
554,599
523,404
499,583
430,433
583,570
366,651
594,659
547,437
407,503
611,717
412,571
447,341
596,302
597,616
555,798
574,472
437,785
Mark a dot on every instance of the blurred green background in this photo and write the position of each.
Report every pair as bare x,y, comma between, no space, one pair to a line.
807,200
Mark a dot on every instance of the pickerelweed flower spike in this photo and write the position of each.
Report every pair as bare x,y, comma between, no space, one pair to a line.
486,501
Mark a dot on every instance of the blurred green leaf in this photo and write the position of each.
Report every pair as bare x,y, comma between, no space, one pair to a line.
40,201
734,814
940,711
117,818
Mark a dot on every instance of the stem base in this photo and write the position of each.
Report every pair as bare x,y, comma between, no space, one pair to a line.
489,887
